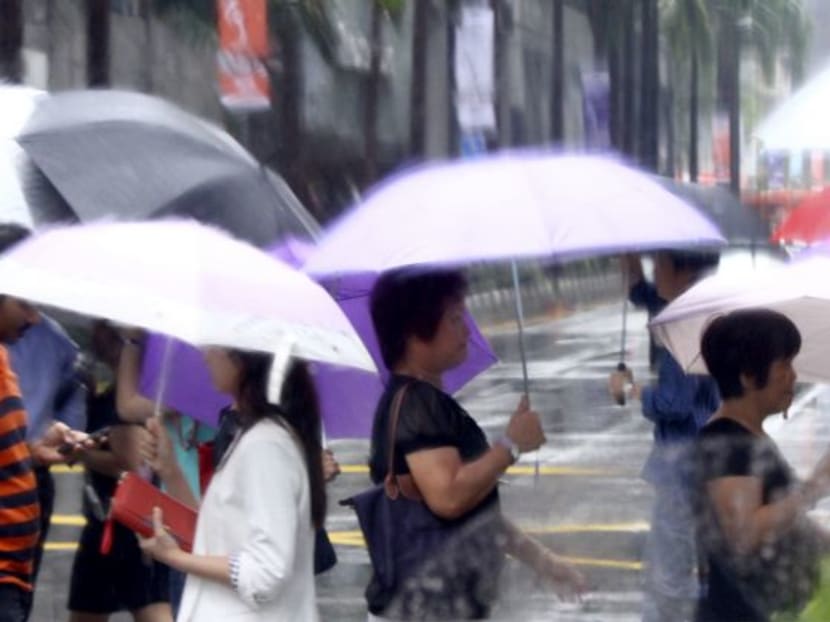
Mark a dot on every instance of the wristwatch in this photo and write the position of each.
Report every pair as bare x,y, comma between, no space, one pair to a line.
510,446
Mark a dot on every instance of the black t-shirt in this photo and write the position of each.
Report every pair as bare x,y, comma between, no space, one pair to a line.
101,413
725,448
429,418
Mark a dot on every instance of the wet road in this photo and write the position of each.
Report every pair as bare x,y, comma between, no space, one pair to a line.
587,501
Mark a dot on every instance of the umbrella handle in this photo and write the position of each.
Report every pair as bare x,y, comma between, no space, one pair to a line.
621,366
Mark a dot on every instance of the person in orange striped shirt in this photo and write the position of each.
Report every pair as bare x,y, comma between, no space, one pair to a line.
19,507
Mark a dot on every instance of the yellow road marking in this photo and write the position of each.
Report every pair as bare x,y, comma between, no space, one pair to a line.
579,561
73,520
522,469
61,546
591,528
60,469
355,538
604,563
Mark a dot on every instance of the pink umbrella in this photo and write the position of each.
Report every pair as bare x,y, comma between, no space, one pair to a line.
347,397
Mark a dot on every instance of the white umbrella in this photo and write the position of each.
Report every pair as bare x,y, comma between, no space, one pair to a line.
186,280
800,123
800,290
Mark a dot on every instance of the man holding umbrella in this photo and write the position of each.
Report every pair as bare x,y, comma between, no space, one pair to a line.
678,404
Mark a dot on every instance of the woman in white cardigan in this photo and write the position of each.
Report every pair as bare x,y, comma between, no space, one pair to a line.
253,554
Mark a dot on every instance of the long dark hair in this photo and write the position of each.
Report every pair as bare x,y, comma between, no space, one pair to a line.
298,406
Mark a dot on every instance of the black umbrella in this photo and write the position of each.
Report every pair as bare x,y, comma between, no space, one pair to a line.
739,223
127,155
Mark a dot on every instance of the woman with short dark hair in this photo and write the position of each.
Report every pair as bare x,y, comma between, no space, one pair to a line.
441,451
752,507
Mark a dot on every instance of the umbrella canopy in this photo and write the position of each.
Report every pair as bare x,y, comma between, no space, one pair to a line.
800,290
348,397
132,156
808,223
186,280
26,197
509,206
800,123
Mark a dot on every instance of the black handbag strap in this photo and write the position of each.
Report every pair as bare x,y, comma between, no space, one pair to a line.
394,417
394,484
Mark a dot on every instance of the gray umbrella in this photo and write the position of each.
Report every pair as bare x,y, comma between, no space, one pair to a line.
133,156
739,223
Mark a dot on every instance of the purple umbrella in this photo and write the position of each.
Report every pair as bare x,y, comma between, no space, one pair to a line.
508,206
347,398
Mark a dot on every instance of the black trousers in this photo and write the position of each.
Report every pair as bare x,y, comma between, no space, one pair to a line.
46,497
15,603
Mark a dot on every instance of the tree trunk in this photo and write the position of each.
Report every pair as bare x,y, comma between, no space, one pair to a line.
629,62
694,118
289,156
735,114
370,118
667,113
502,100
615,97
729,87
557,116
149,45
97,43
417,89
650,84
11,41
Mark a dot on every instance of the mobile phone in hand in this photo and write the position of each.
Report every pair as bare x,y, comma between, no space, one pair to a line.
98,438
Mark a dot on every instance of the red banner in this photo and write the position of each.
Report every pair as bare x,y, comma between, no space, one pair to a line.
243,44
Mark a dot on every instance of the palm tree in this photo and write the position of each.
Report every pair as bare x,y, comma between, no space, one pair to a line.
417,92
289,20
767,27
612,30
650,85
557,121
11,40
97,43
382,11
688,30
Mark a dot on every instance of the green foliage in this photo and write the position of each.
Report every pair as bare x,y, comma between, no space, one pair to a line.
196,19
687,26
769,28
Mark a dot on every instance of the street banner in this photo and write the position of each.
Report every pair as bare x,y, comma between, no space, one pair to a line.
474,69
596,110
243,45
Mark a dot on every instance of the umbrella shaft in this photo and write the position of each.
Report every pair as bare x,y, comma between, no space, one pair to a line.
164,376
624,319
520,321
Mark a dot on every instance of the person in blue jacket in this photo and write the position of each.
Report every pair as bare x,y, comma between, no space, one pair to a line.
678,404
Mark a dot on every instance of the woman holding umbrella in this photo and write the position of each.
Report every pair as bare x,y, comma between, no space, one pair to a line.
440,451
253,552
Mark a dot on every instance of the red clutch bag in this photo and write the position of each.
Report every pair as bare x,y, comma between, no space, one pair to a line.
132,506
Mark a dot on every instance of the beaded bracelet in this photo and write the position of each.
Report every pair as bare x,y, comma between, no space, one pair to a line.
233,570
